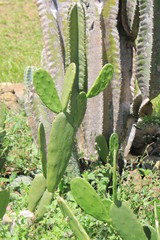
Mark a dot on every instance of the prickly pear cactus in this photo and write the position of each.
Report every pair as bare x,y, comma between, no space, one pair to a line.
76,227
91,34
88,199
125,221
4,200
42,148
59,150
36,191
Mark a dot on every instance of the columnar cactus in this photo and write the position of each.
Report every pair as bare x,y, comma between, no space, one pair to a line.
91,34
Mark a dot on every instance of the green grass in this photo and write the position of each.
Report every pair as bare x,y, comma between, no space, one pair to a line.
21,38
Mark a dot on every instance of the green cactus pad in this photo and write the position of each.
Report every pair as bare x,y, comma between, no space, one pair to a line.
107,203
4,200
42,148
88,199
113,145
46,90
43,204
80,108
126,223
102,81
36,191
59,150
150,232
102,148
67,85
73,221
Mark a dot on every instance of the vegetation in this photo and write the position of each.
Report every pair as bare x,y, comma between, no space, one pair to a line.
21,39
93,204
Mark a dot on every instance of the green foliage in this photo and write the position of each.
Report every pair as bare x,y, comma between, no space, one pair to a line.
3,115
3,152
17,146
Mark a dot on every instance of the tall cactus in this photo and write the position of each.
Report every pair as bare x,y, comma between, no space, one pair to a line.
92,34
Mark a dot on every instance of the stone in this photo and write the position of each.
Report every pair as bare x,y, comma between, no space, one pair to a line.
26,180
12,94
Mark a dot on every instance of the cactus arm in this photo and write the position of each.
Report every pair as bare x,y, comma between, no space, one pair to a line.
112,46
75,225
125,221
144,46
36,191
47,92
130,17
88,199
59,150
67,85
76,44
4,200
52,41
155,62
42,148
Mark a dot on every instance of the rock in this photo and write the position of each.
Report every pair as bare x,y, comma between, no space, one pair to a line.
19,180
26,214
12,94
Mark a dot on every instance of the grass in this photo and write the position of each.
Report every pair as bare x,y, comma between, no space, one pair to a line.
21,38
